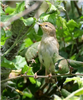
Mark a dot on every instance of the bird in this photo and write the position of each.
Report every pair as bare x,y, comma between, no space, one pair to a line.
48,52
48,47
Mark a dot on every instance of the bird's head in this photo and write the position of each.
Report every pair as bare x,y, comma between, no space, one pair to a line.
48,28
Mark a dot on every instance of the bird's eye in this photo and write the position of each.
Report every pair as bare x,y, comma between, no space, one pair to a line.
46,25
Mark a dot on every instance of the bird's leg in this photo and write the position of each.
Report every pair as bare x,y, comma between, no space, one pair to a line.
49,71
35,75
46,73
71,69
48,80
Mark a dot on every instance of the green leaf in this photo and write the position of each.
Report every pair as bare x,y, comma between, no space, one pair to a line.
9,10
28,42
78,33
64,24
2,42
8,33
20,7
59,0
38,84
52,8
75,64
71,79
64,92
76,80
25,69
26,94
61,23
6,63
61,7
33,36
29,72
5,35
48,18
65,30
44,17
62,29
2,31
32,51
71,96
79,93
6,17
28,21
19,62
56,97
72,24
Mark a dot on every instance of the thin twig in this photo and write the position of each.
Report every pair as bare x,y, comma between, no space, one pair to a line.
77,8
66,10
17,41
40,76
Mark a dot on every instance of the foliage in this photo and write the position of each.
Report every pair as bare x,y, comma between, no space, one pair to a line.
19,53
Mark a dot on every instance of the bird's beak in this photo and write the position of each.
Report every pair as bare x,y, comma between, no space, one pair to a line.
40,24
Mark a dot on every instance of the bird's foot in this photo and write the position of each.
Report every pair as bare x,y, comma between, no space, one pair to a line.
49,79
50,75
35,75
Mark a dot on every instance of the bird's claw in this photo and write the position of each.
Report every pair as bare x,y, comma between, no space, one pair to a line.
35,75
50,75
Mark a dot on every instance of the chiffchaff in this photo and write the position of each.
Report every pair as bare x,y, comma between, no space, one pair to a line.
48,47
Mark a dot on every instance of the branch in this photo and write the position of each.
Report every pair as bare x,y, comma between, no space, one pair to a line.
72,9
40,76
17,16
77,8
66,10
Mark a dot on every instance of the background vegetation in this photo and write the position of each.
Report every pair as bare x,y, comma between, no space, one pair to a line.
20,36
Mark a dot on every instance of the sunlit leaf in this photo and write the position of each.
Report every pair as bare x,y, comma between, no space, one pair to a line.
26,94
72,24
20,7
19,62
9,10
6,63
32,51
28,21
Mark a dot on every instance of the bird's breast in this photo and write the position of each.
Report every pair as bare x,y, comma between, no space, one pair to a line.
49,43
47,48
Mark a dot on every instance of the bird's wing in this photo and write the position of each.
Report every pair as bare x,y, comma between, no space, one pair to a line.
61,64
32,51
